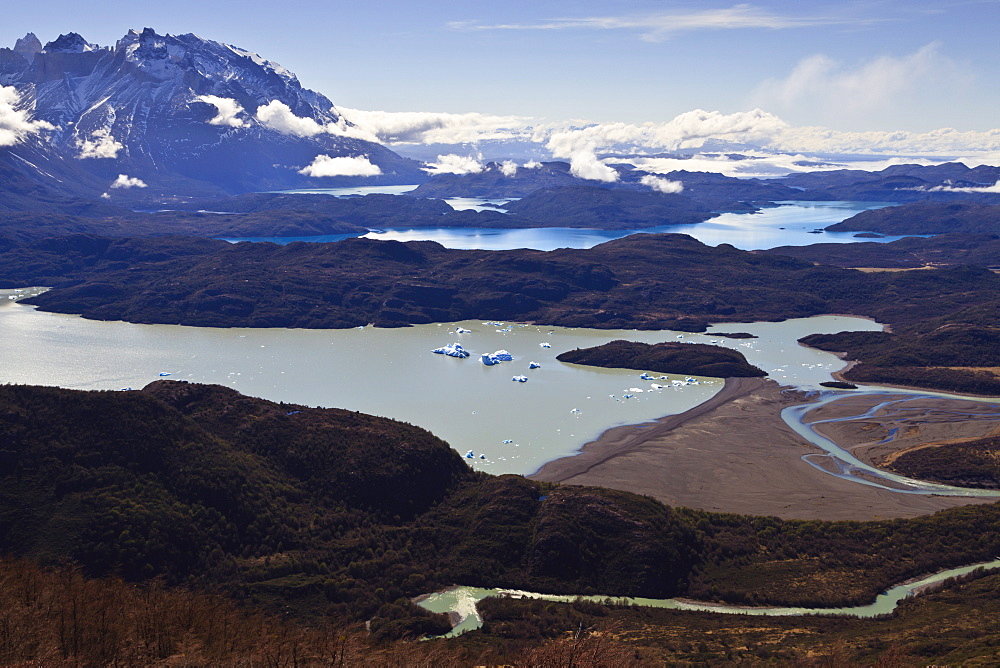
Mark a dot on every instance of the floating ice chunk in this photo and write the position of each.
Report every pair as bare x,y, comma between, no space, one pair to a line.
680,336
164,373
576,411
520,379
489,359
470,455
636,390
462,330
534,365
545,344
482,456
656,386
452,350
645,376
508,440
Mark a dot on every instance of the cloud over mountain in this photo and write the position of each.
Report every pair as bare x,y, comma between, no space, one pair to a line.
324,165
227,111
100,145
419,127
16,123
454,164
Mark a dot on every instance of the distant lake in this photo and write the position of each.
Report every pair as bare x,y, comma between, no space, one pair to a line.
516,426
788,224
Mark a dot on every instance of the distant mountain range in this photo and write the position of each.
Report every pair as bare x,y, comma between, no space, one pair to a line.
178,114
159,121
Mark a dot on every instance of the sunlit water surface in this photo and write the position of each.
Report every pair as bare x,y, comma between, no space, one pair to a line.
510,427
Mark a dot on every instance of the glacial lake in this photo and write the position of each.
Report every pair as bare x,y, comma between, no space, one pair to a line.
510,427
788,224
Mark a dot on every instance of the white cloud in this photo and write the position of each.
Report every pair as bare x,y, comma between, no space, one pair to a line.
126,181
659,26
423,127
324,165
278,116
830,91
945,141
532,164
662,185
100,145
454,164
15,123
227,111
995,188
585,164
687,130
508,168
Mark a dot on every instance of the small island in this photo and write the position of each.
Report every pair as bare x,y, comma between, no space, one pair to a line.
695,359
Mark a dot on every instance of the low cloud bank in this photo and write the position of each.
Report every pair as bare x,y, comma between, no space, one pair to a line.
775,146
995,188
16,124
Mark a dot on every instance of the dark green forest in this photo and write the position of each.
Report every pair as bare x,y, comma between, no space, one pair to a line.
327,512
697,359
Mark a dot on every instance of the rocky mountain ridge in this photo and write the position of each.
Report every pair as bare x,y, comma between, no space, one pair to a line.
179,113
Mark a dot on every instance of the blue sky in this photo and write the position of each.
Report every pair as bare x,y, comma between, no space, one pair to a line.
850,66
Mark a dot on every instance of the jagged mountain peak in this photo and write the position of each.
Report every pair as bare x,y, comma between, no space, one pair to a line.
70,43
28,45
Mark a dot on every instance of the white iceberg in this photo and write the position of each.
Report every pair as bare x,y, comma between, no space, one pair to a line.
452,350
534,365
489,359
520,379
545,344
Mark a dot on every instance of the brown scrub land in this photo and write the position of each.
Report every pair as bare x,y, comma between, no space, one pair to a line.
735,454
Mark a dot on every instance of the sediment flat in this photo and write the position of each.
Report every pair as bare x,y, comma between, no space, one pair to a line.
734,453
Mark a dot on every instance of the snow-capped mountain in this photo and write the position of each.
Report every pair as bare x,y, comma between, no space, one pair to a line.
183,114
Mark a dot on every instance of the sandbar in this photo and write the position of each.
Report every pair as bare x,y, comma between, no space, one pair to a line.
734,453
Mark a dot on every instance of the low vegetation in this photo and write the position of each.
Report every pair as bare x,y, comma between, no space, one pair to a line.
973,463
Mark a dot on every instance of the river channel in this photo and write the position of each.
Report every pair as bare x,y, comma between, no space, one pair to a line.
461,601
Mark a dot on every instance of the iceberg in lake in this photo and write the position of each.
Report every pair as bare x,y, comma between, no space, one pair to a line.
489,359
545,344
534,365
452,350
520,379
